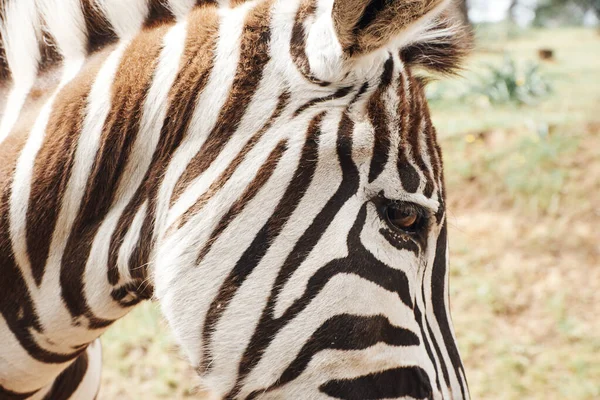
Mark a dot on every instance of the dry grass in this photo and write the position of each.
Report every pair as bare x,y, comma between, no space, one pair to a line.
525,243
525,285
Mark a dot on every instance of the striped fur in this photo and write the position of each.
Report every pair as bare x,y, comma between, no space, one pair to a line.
233,160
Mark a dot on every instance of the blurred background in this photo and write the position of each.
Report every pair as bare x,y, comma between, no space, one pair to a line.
520,131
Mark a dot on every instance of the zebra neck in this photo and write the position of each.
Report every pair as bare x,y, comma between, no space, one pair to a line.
77,211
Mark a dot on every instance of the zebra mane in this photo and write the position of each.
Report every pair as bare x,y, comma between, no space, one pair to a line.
36,34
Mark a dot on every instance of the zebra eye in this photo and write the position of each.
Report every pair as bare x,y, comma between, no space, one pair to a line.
404,217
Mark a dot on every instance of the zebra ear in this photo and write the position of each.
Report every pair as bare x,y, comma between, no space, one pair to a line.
363,26
441,46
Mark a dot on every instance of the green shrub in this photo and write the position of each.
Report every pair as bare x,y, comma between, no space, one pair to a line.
508,83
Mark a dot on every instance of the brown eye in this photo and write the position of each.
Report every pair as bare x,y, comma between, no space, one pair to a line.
402,217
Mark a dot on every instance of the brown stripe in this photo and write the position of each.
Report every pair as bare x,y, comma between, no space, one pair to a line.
99,31
53,164
254,49
298,41
232,167
235,3
262,177
196,66
132,80
121,128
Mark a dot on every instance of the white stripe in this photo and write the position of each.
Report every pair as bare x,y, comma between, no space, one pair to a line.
126,17
88,387
20,34
65,21
181,8
130,242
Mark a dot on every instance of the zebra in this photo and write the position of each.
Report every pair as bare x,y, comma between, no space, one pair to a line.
266,170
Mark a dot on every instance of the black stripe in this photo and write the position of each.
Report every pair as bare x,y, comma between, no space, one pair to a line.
416,120
69,380
233,166
298,42
438,276
379,119
421,322
18,309
263,175
99,31
4,70
409,177
119,132
342,92
372,10
268,326
437,349
158,13
265,237
347,332
6,394
399,242
400,382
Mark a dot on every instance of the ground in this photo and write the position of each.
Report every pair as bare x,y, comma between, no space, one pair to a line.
524,206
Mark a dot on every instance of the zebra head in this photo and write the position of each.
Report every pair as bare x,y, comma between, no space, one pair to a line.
302,242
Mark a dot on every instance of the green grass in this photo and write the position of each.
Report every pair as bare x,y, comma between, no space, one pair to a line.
524,195
141,360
